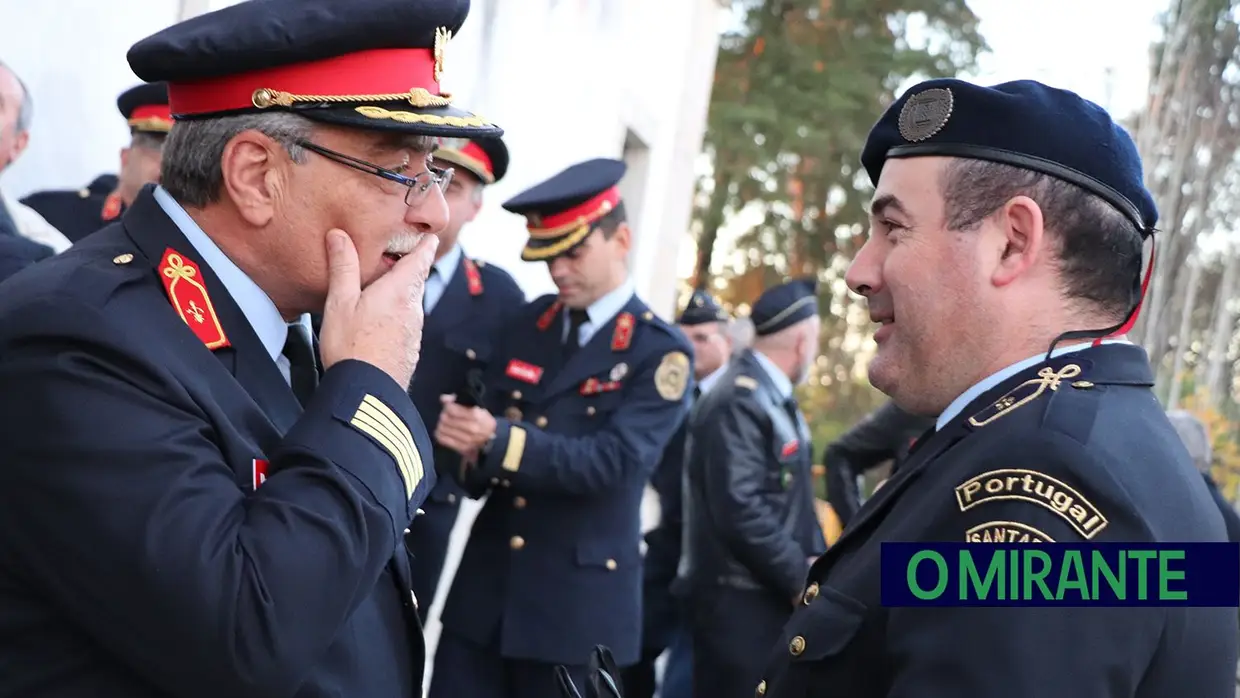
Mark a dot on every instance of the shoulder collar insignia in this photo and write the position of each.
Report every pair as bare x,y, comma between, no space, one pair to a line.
183,282
548,316
746,382
1026,393
472,277
623,336
111,207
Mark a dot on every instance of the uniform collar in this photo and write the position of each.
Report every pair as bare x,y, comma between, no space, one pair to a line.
1003,374
253,302
709,381
447,264
603,310
783,384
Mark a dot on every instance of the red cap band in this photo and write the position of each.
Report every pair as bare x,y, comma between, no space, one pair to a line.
352,77
152,111
584,213
473,151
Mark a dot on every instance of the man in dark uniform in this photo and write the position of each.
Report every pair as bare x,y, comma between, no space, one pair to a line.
583,391
17,252
751,527
466,301
1196,439
201,512
1006,220
80,212
886,434
663,625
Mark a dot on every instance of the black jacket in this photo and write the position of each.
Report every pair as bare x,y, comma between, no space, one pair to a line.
883,435
749,501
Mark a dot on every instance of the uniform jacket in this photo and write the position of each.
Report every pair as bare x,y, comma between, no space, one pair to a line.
1076,449
78,212
884,435
457,340
553,566
186,529
749,502
17,253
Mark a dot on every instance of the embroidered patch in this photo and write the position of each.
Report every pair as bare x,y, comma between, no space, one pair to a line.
672,376
473,278
259,468
1005,532
623,336
183,283
1036,488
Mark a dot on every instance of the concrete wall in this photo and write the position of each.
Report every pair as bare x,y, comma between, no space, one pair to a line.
567,79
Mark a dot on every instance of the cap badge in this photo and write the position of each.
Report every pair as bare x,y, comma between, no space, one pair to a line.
925,114
442,37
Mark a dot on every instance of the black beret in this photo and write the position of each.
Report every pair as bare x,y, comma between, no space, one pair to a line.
145,107
485,158
701,309
783,306
1024,124
561,211
373,64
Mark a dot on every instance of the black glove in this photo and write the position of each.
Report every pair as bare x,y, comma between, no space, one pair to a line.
602,680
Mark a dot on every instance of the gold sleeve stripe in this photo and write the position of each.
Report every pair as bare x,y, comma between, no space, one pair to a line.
383,420
367,427
515,450
400,430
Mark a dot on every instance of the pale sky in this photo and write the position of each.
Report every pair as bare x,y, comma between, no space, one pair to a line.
1096,48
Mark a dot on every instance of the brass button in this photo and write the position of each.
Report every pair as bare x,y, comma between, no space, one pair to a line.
519,502
469,354
811,593
1082,385
762,688
84,193
122,258
505,483
406,531
540,422
647,315
590,410
494,481
452,498
516,395
611,564
797,646
517,542
419,512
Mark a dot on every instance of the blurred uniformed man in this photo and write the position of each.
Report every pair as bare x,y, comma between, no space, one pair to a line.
1004,267
663,625
751,527
884,435
1196,438
583,391
466,301
202,512
79,212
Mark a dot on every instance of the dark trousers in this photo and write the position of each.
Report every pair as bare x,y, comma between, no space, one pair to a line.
733,632
427,542
465,670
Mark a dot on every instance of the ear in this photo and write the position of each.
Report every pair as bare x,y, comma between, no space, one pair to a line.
124,157
19,145
1020,239
623,237
254,168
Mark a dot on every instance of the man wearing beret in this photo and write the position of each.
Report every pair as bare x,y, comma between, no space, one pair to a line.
663,628
1003,265
466,301
751,529
583,391
882,436
79,212
206,507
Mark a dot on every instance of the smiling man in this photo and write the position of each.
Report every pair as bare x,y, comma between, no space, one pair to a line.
204,509
1004,267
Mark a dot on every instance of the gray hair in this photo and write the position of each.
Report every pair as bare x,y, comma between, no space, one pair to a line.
25,112
741,331
192,152
1196,437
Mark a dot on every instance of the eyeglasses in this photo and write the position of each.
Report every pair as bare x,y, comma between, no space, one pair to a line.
416,187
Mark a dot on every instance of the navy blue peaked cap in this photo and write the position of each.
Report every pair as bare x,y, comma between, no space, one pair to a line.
561,211
783,306
145,107
485,158
373,64
1024,124
701,309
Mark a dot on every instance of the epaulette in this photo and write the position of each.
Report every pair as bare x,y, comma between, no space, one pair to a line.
746,382
1048,381
472,276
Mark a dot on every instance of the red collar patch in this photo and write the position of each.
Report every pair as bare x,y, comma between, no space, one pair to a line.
548,316
111,207
472,277
623,336
183,282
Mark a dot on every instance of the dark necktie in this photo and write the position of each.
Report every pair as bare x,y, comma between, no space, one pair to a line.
7,225
303,374
576,318
426,288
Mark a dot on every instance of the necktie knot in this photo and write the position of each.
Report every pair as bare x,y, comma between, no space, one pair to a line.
576,318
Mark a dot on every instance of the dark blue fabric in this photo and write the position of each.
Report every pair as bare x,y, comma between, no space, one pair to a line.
1023,123
785,305
574,185
701,309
